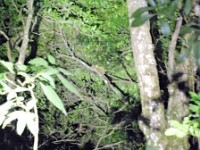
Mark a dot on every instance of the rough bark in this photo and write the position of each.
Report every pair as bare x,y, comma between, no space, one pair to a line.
153,121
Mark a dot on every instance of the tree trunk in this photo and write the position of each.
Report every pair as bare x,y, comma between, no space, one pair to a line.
153,121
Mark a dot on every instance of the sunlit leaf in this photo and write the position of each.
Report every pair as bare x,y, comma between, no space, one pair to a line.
53,97
49,71
195,96
30,104
49,79
68,85
175,124
51,59
21,124
11,95
8,65
64,71
194,108
171,131
21,67
28,77
38,62
31,123
5,86
12,116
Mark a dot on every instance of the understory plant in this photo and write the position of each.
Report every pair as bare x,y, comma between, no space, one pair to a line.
18,83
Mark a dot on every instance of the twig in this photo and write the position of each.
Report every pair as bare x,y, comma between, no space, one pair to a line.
172,47
87,66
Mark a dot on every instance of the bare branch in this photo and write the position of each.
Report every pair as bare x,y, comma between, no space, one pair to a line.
172,47
22,52
87,66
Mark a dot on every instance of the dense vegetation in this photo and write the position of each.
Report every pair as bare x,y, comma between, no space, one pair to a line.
67,73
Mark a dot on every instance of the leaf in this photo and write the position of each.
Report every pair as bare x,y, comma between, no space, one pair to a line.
187,7
53,97
31,123
68,85
21,124
51,59
194,108
171,131
8,65
49,79
195,96
21,67
49,71
140,11
30,104
5,86
165,29
196,52
141,20
175,124
28,77
38,62
151,2
181,134
64,71
12,116
11,95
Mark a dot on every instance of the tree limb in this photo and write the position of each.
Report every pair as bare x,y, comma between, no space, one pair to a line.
22,51
172,47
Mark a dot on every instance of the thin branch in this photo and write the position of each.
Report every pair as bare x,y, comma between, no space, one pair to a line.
172,46
9,46
87,66
22,52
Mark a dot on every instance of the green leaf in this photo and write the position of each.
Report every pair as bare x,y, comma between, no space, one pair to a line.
21,67
195,96
187,7
51,59
49,79
64,71
49,71
171,131
175,124
8,65
140,11
141,20
194,108
38,62
165,29
196,52
53,97
68,85
151,2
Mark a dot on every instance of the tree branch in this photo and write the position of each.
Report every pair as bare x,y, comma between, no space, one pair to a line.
87,66
172,47
22,51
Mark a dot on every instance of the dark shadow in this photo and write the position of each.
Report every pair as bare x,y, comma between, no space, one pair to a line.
11,141
34,43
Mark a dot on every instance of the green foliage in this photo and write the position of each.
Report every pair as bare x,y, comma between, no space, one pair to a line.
190,124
